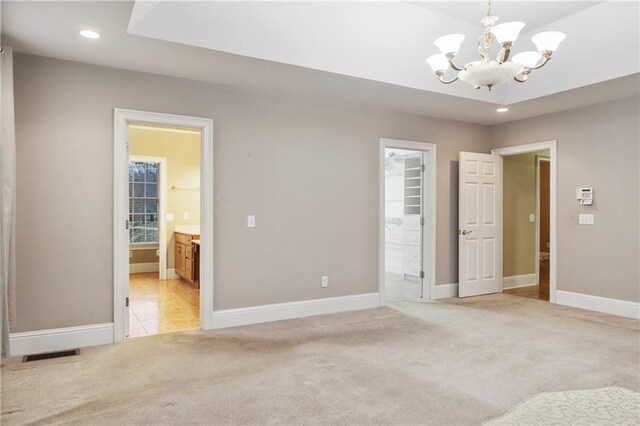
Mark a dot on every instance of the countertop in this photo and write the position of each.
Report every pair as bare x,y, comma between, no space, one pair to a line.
187,229
196,242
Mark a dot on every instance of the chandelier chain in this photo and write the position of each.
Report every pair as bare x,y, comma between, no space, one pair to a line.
489,9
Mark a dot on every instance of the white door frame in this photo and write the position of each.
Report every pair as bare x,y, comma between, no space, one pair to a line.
539,159
162,209
553,194
122,118
429,208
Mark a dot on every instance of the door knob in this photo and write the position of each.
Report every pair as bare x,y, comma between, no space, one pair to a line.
464,232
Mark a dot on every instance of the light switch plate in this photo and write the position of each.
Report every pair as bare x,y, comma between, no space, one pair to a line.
532,218
586,219
251,221
185,216
325,282
168,217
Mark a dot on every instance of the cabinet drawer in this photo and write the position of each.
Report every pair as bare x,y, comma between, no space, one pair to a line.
180,238
188,252
411,238
411,253
411,223
188,270
411,269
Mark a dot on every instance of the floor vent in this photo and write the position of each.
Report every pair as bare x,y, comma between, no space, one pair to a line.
49,355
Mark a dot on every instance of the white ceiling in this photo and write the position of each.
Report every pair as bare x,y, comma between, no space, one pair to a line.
534,13
368,54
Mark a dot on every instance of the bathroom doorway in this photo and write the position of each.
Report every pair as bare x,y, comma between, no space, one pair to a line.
164,229
168,192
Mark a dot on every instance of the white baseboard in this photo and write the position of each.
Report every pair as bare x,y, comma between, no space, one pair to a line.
618,307
136,268
58,339
518,281
282,311
172,275
446,290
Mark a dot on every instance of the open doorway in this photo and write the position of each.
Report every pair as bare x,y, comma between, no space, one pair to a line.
481,234
164,229
180,269
407,215
526,232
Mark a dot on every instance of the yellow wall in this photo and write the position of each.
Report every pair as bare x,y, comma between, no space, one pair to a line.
519,201
182,151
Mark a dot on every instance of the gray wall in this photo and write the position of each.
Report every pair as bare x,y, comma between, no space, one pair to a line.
308,172
598,146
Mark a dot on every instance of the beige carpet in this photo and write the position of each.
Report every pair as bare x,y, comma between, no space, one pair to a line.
454,362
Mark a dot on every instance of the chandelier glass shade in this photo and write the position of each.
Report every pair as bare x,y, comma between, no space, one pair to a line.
488,72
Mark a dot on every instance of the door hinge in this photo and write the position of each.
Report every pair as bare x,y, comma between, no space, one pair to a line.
126,302
422,168
421,274
422,221
126,224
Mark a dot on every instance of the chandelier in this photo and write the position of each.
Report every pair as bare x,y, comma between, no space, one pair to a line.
488,73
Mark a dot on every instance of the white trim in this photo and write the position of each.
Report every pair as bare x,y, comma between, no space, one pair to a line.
552,146
172,274
443,291
622,308
282,311
539,159
162,214
58,339
516,281
121,189
164,129
428,206
136,268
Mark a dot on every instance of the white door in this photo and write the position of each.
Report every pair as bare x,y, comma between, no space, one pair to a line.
479,224
127,238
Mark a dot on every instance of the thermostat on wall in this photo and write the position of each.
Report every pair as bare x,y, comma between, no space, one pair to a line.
585,196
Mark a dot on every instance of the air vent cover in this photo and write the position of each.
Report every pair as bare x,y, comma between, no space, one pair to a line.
49,355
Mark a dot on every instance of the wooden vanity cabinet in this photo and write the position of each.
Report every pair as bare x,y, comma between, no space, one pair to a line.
185,256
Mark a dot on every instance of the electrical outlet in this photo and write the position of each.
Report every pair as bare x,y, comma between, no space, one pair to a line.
586,219
251,221
325,282
185,216
532,218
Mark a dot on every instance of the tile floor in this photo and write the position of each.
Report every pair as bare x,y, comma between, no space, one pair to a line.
161,306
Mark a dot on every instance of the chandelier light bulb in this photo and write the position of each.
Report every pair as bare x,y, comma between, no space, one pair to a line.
449,43
507,32
438,62
528,59
548,40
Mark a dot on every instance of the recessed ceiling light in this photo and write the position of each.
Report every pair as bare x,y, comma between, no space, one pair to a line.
502,109
89,34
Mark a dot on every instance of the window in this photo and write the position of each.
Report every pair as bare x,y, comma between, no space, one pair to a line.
143,202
